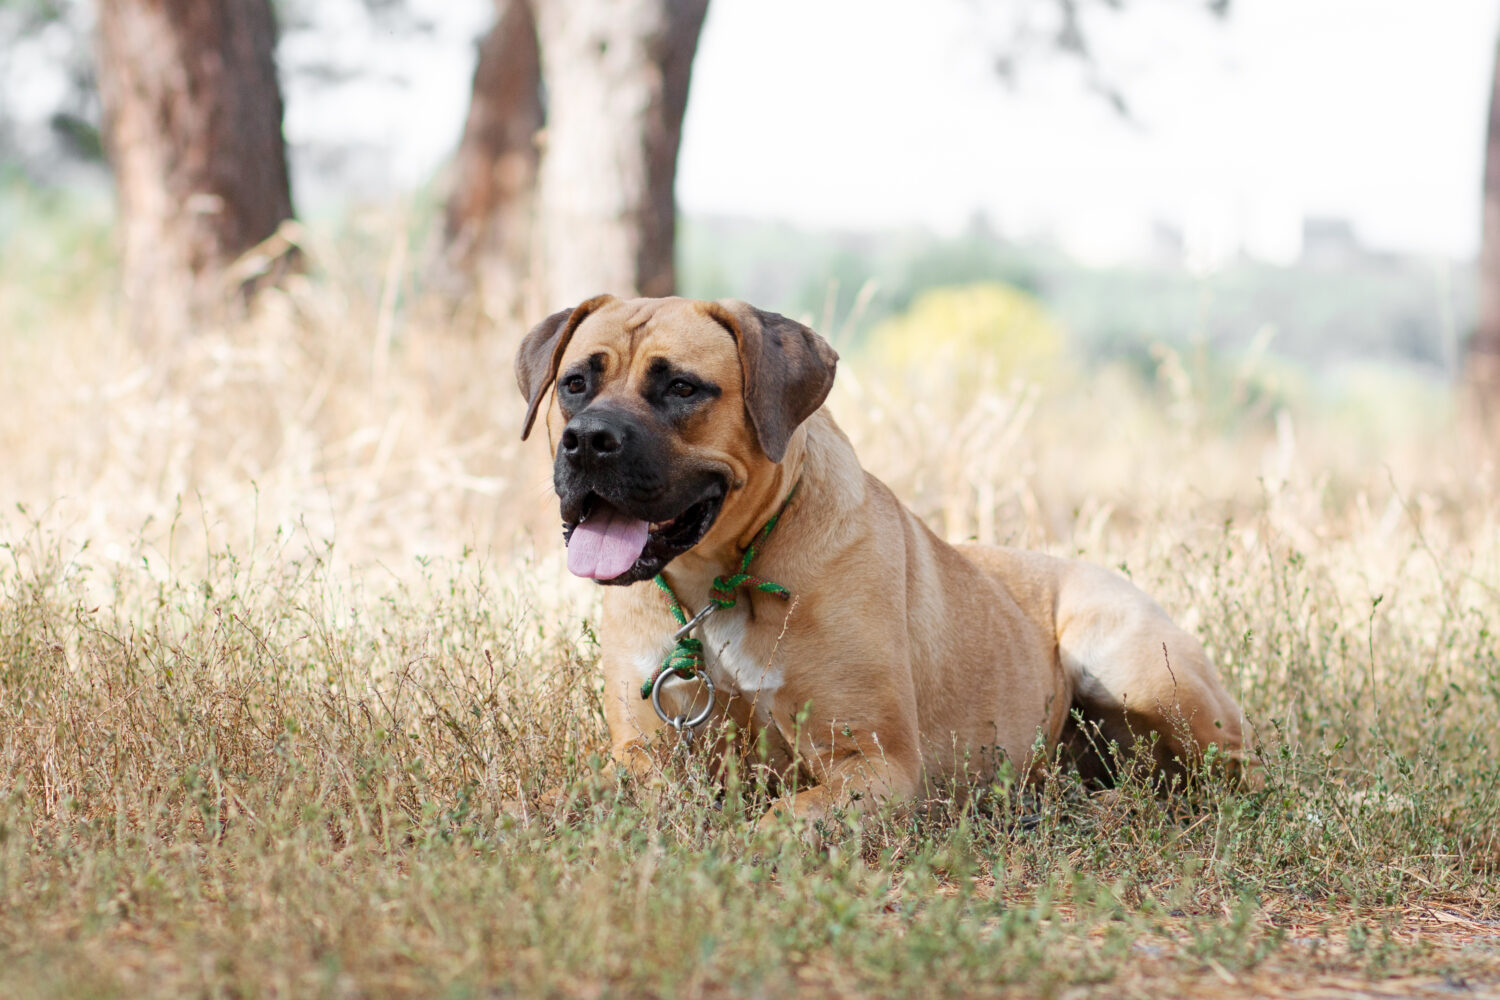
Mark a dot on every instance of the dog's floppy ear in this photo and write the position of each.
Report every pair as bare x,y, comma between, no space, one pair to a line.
788,370
542,349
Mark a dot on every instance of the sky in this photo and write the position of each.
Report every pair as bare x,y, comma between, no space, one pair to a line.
868,113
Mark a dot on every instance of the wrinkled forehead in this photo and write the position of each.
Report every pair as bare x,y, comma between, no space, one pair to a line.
631,337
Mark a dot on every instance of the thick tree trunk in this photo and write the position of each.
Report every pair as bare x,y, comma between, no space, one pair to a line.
616,75
193,129
1482,366
488,231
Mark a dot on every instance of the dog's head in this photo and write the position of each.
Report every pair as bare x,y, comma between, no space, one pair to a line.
666,409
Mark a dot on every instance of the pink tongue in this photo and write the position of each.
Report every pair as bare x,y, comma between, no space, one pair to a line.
606,543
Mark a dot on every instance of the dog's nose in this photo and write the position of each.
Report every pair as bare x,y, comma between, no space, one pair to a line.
591,438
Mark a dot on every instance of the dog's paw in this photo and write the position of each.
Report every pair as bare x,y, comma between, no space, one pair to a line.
782,823
817,827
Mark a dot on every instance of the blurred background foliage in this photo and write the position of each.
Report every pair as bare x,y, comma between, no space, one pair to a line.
1351,305
1364,341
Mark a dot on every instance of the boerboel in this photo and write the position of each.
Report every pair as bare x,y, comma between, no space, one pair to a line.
856,645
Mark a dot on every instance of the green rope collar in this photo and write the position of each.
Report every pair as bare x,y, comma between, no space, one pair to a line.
686,657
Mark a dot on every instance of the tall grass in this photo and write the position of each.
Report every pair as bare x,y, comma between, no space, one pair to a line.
289,669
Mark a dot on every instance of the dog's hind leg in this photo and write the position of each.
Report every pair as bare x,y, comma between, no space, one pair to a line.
1135,676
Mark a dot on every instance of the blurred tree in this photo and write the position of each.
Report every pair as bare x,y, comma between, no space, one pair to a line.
55,140
1482,364
488,227
1068,28
615,76
192,121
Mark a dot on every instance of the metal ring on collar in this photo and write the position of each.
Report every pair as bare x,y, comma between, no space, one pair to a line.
677,722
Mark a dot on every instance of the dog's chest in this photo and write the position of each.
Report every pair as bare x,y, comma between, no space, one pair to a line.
734,665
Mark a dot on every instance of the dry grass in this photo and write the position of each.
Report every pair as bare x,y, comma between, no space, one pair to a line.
283,626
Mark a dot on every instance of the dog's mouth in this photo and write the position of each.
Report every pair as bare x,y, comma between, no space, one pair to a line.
613,546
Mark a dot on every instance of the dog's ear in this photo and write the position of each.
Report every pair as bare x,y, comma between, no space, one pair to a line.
542,350
788,370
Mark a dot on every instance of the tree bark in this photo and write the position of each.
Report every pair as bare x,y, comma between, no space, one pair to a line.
488,230
1482,366
192,112
616,75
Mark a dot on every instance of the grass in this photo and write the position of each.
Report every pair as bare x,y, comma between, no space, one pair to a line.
288,660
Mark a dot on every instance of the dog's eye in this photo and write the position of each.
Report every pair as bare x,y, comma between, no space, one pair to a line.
682,388
574,384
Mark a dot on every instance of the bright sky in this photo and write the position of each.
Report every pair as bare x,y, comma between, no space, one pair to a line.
863,114
866,113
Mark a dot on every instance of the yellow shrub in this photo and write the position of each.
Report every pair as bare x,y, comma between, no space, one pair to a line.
984,334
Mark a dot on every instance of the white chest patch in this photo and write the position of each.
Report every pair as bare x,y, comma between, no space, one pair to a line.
731,663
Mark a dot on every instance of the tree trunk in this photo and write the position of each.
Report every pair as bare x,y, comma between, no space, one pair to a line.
193,129
488,231
616,74
1482,367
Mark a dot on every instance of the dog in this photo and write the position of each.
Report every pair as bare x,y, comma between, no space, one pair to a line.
697,470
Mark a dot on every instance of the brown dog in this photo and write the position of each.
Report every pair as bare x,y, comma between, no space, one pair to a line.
892,660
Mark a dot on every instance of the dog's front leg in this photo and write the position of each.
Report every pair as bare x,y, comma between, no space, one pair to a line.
639,741
854,769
